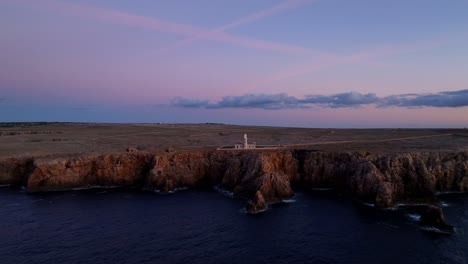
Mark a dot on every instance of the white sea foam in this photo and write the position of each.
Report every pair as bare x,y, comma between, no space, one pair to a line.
244,211
414,217
4,185
162,192
436,230
444,204
91,187
288,200
411,204
321,189
430,228
173,191
224,192
449,192
398,206
389,225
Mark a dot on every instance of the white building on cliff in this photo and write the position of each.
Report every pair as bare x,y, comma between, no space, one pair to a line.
246,144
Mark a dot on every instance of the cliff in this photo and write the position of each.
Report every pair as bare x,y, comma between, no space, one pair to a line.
264,176
387,179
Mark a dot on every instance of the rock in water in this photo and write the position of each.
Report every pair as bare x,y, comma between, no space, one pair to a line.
257,204
433,216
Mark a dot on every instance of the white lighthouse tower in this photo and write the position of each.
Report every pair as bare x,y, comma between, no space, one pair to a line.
245,144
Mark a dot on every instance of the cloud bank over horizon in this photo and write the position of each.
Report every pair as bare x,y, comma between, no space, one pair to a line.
448,99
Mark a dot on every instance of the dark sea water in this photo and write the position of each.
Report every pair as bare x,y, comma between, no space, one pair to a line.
114,226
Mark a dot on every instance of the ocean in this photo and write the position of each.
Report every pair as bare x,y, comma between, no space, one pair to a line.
205,226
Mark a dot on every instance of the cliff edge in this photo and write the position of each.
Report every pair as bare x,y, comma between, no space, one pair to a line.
259,176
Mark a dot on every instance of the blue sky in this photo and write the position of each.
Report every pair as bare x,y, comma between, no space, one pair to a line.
128,61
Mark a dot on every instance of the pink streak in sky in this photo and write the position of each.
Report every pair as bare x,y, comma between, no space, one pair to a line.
279,8
276,9
327,61
122,18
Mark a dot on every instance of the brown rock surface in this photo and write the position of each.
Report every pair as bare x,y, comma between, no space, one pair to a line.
14,171
382,179
269,172
433,216
111,170
177,170
257,204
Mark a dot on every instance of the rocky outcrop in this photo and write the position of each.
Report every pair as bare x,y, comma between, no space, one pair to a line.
270,173
381,179
433,216
257,204
244,174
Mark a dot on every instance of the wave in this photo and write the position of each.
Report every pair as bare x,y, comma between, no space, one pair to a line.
89,188
449,192
321,189
412,204
171,192
223,191
244,211
400,205
178,189
414,217
436,230
389,225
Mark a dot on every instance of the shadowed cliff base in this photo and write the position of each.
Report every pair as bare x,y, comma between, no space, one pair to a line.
262,177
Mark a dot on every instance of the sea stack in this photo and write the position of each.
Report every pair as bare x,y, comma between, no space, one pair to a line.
257,204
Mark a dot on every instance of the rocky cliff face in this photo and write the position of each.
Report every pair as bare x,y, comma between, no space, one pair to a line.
123,170
386,179
15,171
383,179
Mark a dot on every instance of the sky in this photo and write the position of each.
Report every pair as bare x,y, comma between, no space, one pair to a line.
302,63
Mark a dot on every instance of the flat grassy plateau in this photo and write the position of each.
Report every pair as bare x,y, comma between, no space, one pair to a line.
40,139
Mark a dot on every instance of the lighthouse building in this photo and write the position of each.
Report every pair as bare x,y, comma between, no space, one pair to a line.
245,144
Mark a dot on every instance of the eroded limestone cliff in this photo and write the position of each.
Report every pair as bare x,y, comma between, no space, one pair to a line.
267,176
387,179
